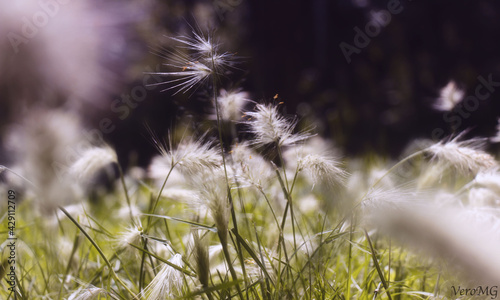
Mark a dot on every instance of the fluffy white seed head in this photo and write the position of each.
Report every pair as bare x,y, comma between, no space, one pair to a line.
322,168
384,198
187,76
201,258
449,96
91,161
231,104
201,45
168,283
212,192
131,235
191,69
269,126
250,167
190,157
465,156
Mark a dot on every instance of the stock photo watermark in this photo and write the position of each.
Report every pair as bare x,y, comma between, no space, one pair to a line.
478,291
10,247
363,36
31,25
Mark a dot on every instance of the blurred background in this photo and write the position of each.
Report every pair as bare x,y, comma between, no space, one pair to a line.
375,100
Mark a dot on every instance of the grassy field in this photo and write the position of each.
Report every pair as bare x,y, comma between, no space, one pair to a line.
278,215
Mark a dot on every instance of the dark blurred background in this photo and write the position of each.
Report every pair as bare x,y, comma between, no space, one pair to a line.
376,103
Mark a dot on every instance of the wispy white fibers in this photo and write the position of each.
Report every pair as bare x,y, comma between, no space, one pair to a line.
231,104
449,96
322,168
459,236
200,60
44,145
250,167
190,157
168,283
132,235
318,159
269,126
465,156
212,193
87,293
91,161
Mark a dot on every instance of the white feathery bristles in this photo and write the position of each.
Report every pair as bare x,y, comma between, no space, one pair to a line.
212,192
496,138
231,104
132,235
199,44
251,167
194,157
391,199
206,49
322,169
449,96
190,75
466,156
201,258
463,238
194,68
168,283
269,126
189,158
91,161
87,293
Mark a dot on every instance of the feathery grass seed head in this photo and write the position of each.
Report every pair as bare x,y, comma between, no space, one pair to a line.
269,126
322,168
231,104
168,283
466,156
91,161
201,258
203,61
